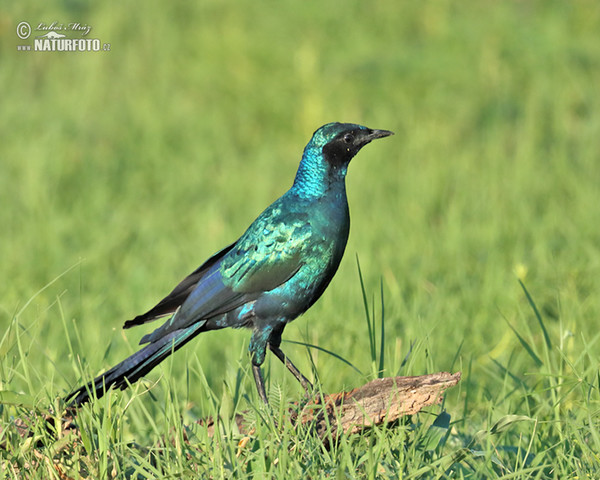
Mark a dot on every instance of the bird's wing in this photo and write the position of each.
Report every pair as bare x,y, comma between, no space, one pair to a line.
169,304
261,265
267,255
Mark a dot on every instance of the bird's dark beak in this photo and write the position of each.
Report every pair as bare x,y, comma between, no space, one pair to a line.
373,134
369,135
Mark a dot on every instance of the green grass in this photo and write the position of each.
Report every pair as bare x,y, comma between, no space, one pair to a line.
120,172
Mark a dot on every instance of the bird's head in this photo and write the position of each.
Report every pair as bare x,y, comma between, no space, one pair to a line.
327,155
341,141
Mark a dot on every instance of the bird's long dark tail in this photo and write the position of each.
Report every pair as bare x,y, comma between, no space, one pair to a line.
134,367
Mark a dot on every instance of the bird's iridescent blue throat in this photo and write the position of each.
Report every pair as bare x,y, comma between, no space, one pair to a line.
273,273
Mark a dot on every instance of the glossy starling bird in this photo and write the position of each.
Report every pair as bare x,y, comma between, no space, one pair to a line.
276,270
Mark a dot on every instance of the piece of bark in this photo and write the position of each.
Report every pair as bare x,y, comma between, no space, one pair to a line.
381,400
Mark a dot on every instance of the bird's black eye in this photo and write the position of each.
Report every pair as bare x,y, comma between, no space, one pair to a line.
348,138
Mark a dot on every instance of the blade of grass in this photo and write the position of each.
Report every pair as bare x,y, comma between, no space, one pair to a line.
382,338
525,345
537,315
329,352
372,346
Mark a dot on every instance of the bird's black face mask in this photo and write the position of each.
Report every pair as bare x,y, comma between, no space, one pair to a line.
344,146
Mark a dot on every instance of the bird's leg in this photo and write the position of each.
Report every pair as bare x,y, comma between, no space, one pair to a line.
260,383
292,368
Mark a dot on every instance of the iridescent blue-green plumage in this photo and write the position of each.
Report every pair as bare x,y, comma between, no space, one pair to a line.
276,270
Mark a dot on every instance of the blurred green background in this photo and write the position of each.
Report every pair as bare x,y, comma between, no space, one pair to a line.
122,171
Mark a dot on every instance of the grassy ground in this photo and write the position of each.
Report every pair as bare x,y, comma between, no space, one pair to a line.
121,171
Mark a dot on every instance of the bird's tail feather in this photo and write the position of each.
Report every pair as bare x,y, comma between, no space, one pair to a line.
134,367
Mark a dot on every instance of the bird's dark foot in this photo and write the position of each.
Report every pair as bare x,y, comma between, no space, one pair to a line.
260,384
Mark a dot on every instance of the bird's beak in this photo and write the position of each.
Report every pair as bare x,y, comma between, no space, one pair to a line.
370,135
373,134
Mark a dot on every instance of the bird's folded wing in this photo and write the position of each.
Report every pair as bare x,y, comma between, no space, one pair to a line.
246,271
262,266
